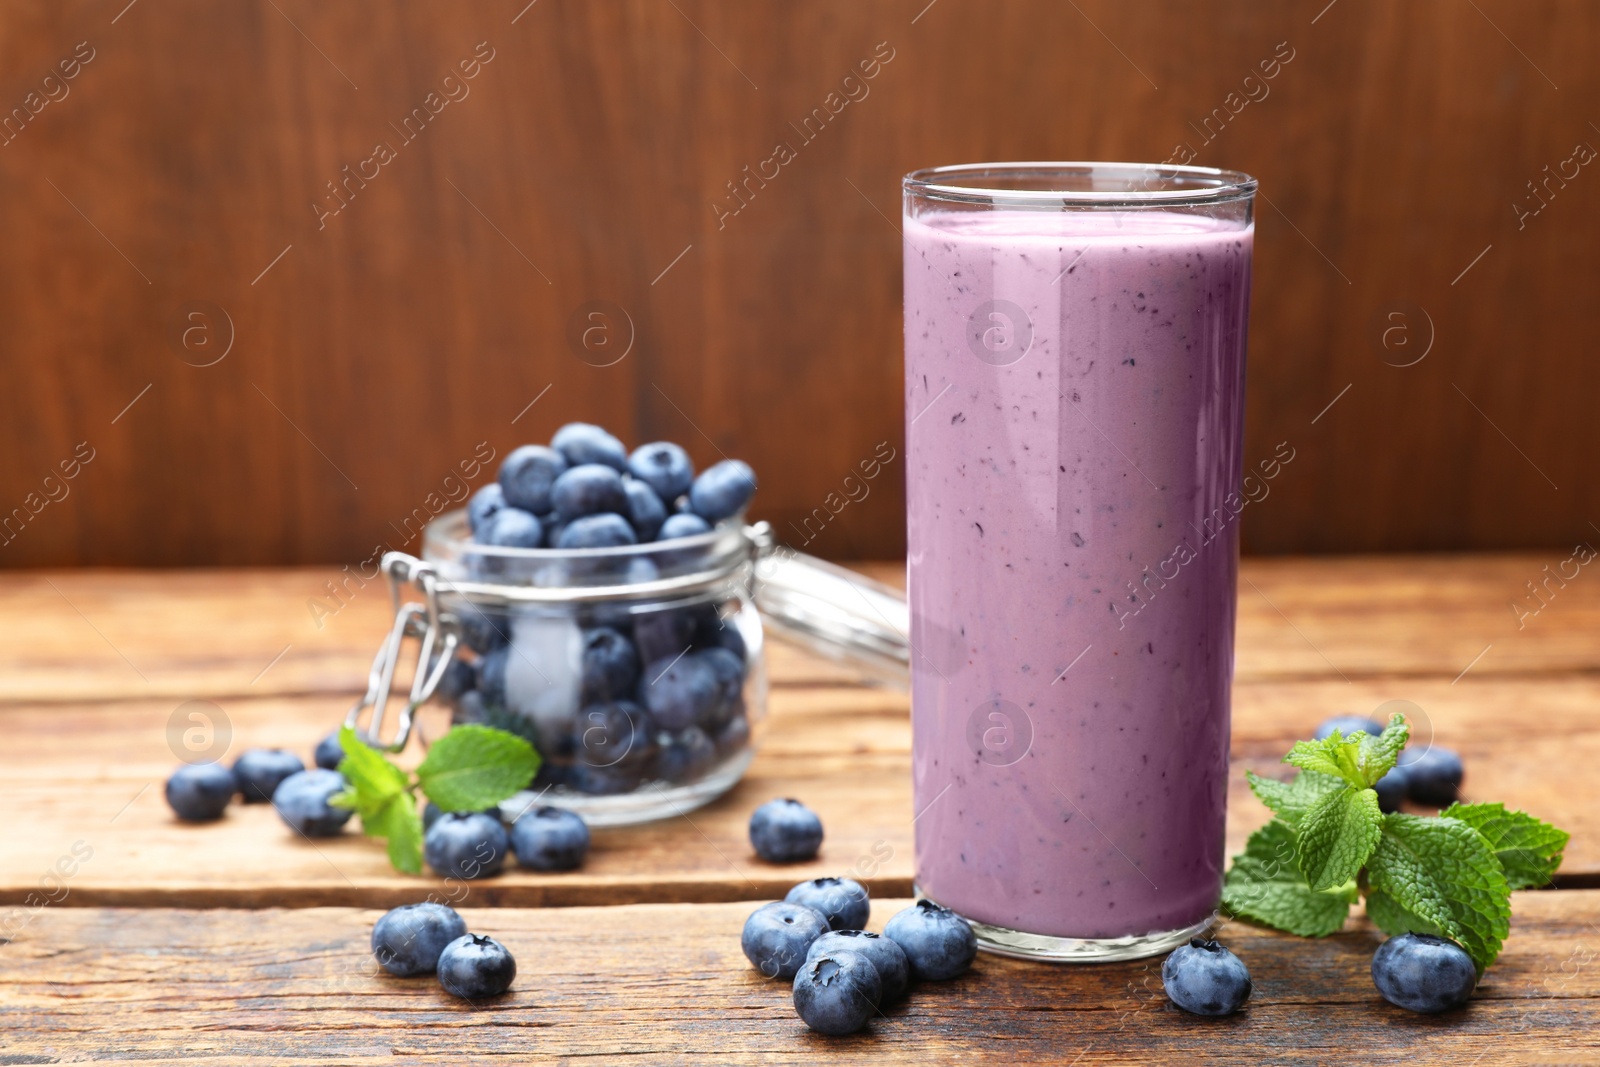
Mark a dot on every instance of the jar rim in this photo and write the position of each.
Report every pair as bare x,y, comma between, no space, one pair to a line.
1046,185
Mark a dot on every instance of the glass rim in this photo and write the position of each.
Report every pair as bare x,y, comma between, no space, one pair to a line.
1166,184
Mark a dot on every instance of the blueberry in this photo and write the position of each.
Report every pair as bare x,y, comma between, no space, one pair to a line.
682,525
550,839
459,676
663,634
681,692
646,512
408,939
511,528
527,475
329,752
735,736
777,936
886,956
614,734
259,771
1433,775
837,993
1392,789
1348,726
937,941
722,490
664,467
492,675
785,831
596,531
1204,978
610,664
302,802
481,631
474,967
728,669
1423,973
582,442
685,756
842,901
604,781
590,489
484,503
466,845
430,815
199,792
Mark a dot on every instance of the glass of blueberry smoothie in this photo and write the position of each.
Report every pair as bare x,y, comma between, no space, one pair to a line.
1075,341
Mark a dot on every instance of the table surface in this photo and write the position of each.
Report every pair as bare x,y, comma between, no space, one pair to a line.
241,943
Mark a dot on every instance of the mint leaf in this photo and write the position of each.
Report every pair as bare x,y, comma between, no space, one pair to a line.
1529,851
1336,835
374,781
398,821
1394,920
1359,759
1443,872
1289,800
1380,754
473,766
1264,885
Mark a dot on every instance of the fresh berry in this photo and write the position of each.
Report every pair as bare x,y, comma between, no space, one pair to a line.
646,512
777,936
1204,978
1348,726
482,631
785,831
511,528
260,770
459,676
199,792
408,940
664,467
527,476
492,675
484,503
474,967
466,845
614,734
685,756
887,957
682,525
550,839
610,664
681,692
837,993
329,752
722,490
430,815
842,901
583,442
1423,973
1433,775
1392,788
590,489
734,736
937,941
604,781
728,669
596,531
302,802
663,634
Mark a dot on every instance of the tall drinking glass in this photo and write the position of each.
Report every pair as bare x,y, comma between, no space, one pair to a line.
1075,342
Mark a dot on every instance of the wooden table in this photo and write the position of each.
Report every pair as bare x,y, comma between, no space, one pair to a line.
239,943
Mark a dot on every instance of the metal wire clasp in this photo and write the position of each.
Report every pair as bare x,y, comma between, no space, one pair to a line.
438,637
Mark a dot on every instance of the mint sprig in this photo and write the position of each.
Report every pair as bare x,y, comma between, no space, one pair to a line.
1451,875
470,768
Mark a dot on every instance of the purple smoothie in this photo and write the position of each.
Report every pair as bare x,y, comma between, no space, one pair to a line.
1073,543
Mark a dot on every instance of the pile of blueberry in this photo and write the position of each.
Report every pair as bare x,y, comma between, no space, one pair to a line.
201,792
474,844
585,490
839,973
429,937
1430,776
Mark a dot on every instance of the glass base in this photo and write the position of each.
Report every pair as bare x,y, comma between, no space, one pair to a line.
1003,941
653,800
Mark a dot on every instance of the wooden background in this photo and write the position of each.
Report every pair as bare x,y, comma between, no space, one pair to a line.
371,351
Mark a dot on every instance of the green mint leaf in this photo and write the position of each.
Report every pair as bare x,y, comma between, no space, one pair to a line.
399,822
474,766
1289,800
374,781
1359,759
1443,872
1529,851
1336,836
1394,920
1264,885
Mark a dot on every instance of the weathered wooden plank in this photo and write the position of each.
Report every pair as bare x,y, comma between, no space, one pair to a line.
93,773
667,983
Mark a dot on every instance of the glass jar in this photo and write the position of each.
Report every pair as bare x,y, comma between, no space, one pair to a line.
637,672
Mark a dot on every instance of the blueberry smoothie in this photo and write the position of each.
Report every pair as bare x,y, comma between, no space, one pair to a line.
1073,409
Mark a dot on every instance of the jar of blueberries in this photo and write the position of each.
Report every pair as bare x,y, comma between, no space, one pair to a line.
608,607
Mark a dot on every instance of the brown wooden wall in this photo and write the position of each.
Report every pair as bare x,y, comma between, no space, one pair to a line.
180,171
